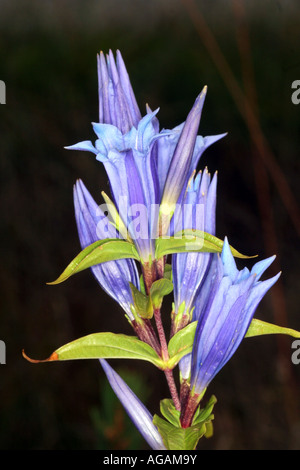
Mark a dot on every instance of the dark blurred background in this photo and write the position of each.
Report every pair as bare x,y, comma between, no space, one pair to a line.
247,52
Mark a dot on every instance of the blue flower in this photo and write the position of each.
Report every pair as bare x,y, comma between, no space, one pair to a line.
232,301
138,413
113,276
147,167
117,103
190,269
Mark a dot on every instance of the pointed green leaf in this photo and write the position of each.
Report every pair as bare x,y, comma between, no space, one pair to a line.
181,344
191,241
142,302
98,252
142,284
105,346
205,414
258,327
159,289
168,410
176,438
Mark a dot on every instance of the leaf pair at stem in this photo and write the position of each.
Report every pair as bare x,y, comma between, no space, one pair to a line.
111,249
120,346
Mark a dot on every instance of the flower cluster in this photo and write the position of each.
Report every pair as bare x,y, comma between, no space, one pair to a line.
154,235
156,193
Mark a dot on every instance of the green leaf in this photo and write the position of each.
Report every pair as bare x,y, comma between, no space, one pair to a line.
176,438
159,289
190,240
168,410
168,274
142,284
142,302
209,430
181,344
98,252
106,346
205,414
258,327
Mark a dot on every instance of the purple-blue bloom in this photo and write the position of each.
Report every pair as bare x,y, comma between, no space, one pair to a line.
137,412
190,269
233,296
145,166
92,224
117,103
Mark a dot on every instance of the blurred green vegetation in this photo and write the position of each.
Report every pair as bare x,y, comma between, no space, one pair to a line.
48,62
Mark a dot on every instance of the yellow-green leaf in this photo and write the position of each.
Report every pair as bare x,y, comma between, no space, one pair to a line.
104,346
258,327
101,251
181,344
190,240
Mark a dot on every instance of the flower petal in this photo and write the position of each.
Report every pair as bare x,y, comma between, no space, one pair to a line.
137,412
85,145
113,276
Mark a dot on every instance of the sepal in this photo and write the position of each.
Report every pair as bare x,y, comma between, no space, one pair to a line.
205,414
177,438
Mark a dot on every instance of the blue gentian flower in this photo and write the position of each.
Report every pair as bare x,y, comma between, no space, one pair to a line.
234,296
190,269
138,413
231,297
146,167
113,276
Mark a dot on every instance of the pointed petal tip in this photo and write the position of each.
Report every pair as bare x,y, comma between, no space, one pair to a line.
196,110
204,90
201,97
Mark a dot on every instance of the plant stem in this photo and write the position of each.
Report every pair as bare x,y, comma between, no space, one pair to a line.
161,334
146,333
172,388
152,272
165,356
189,409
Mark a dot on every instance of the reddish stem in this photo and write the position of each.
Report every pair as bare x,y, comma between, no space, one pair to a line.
151,273
188,411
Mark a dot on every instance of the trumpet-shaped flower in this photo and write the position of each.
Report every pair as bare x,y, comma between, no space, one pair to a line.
113,276
138,413
190,269
233,298
147,168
